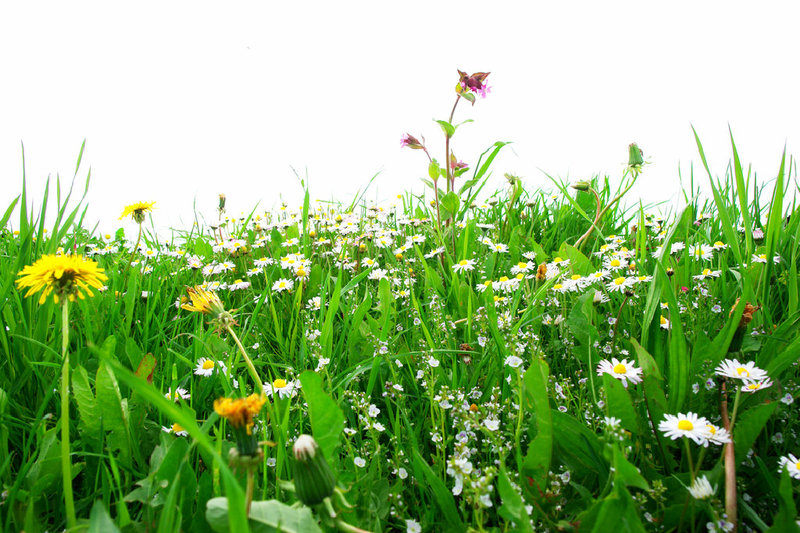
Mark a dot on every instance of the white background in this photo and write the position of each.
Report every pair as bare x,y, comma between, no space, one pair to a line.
181,101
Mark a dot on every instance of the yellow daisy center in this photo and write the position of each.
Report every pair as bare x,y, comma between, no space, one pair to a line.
620,369
208,364
685,425
463,262
615,263
711,429
742,372
176,428
619,281
279,383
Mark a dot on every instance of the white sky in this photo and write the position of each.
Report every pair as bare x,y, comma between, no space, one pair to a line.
185,100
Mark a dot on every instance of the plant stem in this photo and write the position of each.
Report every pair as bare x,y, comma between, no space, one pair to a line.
249,490
66,460
130,259
250,367
729,457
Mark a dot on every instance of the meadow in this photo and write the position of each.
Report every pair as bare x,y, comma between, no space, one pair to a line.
516,360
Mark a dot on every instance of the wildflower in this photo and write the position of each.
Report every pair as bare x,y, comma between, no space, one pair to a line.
663,322
707,273
513,361
688,425
464,265
716,435
179,394
65,276
137,211
791,463
787,399
621,370
473,83
412,526
618,284
753,385
281,387
411,142
175,429
283,284
701,252
491,423
701,488
240,414
205,367
732,368
359,462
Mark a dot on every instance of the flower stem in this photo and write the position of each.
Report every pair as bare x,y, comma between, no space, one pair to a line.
130,259
66,460
249,490
250,367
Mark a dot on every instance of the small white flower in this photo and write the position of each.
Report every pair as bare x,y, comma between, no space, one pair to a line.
412,526
732,368
513,361
359,462
688,425
433,362
701,488
791,463
492,424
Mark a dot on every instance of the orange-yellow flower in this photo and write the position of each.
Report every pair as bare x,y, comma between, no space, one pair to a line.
137,211
240,412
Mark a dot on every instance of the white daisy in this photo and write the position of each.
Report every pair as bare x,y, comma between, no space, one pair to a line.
205,366
621,370
283,284
685,425
791,463
753,385
701,488
732,368
464,265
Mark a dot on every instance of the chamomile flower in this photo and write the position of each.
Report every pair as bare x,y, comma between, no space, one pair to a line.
732,368
176,429
753,385
621,370
707,273
619,284
716,435
283,284
701,488
205,367
179,394
281,388
464,265
685,425
702,252
791,463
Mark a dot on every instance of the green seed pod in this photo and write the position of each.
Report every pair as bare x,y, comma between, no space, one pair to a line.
581,186
313,479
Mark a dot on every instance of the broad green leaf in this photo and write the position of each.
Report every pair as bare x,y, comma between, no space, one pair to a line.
513,507
443,498
448,129
114,411
100,521
327,419
579,323
786,519
625,472
269,516
748,425
619,404
537,400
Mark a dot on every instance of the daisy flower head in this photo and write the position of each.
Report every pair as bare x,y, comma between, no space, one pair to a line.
732,368
205,367
137,211
701,488
618,284
464,265
702,252
716,435
754,385
176,429
685,425
790,463
179,394
621,370
63,276
283,284
281,388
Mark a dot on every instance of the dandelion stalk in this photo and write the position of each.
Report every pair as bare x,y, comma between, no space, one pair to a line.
66,460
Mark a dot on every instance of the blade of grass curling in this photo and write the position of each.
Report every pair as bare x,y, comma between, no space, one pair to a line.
237,519
774,230
722,210
741,190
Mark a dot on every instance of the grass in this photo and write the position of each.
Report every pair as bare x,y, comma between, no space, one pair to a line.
453,399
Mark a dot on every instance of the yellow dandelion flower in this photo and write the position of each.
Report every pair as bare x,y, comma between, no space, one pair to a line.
240,412
203,301
63,276
137,211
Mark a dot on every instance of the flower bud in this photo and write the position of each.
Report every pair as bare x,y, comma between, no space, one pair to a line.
635,156
313,479
581,186
411,142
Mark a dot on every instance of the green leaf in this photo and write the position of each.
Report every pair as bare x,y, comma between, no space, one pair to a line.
114,412
327,419
448,129
580,325
625,472
434,171
265,517
513,507
100,521
450,203
748,425
785,520
540,450
443,498
620,405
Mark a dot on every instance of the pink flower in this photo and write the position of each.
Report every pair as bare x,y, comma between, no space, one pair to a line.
474,83
411,142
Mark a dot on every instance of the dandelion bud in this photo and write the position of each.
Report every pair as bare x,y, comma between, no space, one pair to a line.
222,202
541,272
313,479
635,156
581,186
